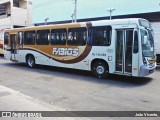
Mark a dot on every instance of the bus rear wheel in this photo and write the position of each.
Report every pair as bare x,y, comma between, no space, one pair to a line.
100,69
30,61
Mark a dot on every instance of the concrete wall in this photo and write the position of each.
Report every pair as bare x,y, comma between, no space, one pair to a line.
5,23
21,15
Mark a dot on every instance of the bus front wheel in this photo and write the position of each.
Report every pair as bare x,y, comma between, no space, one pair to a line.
30,61
100,69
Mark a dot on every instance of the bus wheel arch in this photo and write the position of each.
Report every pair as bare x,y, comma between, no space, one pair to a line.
100,68
30,60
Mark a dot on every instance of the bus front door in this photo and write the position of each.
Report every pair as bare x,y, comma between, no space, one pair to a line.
13,47
124,51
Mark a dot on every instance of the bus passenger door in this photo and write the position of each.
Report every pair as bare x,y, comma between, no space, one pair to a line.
13,43
124,51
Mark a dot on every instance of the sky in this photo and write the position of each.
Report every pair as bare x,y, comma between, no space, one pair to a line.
59,10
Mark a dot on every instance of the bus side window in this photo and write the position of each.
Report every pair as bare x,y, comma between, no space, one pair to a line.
135,49
29,37
43,37
91,31
100,36
77,36
58,36
6,38
20,38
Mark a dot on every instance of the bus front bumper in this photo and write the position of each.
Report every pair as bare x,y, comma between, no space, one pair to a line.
146,70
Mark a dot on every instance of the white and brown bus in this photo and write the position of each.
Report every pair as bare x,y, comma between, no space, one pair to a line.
121,46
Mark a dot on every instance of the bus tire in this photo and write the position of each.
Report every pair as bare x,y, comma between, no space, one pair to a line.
30,61
100,69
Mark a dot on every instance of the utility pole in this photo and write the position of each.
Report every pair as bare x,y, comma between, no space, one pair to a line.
75,11
110,10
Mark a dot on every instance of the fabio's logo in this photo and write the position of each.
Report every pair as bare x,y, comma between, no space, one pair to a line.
66,51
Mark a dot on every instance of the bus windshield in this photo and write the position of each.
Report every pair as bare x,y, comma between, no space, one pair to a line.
147,43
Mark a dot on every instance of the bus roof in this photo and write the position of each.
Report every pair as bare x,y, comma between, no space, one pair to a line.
80,24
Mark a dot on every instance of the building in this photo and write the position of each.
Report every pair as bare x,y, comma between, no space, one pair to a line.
14,14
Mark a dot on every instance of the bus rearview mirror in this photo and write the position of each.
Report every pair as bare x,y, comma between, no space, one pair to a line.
145,39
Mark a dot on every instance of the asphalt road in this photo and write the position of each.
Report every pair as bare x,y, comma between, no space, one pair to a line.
75,90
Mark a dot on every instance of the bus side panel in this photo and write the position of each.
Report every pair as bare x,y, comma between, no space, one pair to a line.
105,53
7,55
40,59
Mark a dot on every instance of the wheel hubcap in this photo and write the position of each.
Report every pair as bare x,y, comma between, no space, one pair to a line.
100,69
30,61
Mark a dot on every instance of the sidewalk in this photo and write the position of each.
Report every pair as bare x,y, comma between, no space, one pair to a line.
11,100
